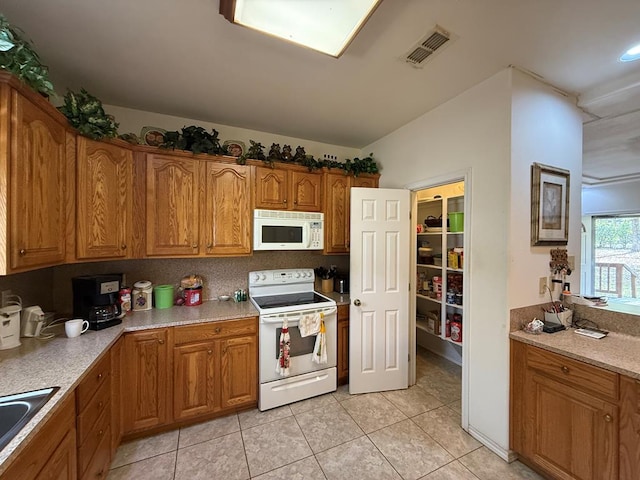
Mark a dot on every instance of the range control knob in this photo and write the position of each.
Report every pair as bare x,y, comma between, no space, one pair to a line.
256,277
297,275
263,277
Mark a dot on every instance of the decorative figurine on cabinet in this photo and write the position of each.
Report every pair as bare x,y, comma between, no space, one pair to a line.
274,152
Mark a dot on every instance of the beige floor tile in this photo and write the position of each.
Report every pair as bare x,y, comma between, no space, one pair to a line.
456,406
313,403
412,452
327,427
274,445
342,393
486,465
252,418
147,447
443,424
161,467
357,459
372,411
412,401
305,469
445,387
218,458
452,471
202,432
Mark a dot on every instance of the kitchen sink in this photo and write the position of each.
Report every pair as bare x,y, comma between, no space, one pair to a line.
16,410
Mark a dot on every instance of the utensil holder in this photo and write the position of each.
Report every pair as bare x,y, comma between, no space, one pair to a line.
326,285
563,317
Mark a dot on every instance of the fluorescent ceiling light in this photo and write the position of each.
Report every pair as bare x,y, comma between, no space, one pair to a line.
327,26
632,54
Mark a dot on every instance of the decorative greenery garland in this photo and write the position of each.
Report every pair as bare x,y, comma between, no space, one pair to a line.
85,113
18,57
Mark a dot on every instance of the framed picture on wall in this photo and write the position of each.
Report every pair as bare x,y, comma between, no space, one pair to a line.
549,205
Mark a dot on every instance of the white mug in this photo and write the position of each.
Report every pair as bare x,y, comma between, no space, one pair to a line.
76,327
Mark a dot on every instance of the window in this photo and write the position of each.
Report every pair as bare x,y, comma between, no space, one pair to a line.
616,258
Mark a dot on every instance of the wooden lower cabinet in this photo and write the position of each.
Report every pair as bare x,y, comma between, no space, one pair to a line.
629,428
564,415
51,454
343,344
146,380
215,367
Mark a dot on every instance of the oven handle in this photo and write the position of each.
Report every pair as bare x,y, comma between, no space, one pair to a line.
295,316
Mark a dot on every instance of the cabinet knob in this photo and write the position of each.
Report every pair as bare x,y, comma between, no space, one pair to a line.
123,246
161,341
100,433
100,405
284,201
209,352
194,245
295,202
99,376
565,369
209,245
217,330
608,418
22,252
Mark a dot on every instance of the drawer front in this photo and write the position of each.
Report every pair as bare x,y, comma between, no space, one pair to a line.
87,417
96,377
88,448
581,375
98,468
213,330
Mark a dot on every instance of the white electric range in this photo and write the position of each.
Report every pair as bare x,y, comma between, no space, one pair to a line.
289,294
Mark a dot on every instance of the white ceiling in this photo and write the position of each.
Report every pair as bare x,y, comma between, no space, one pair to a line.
181,57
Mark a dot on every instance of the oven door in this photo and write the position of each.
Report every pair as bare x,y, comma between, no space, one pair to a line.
301,348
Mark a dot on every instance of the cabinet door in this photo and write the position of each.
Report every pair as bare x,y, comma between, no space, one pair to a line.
104,200
37,187
62,463
369,182
336,219
172,206
145,389
238,371
343,344
306,191
226,221
573,434
194,367
117,355
271,188
629,428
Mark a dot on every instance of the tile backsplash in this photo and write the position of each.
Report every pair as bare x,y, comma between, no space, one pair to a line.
220,275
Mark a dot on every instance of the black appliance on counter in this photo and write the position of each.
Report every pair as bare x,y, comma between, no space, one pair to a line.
95,298
341,283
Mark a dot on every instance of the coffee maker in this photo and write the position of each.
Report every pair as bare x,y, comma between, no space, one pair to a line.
95,298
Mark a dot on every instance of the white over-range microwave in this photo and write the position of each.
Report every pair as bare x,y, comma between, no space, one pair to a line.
287,230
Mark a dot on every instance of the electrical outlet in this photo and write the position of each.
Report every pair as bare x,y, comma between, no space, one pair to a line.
4,297
542,286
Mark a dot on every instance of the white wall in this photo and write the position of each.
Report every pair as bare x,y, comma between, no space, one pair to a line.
470,133
609,199
131,120
546,128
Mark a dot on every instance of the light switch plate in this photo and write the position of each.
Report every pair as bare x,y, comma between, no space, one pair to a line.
542,288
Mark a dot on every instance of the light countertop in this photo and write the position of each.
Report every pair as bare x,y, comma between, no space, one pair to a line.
616,352
63,361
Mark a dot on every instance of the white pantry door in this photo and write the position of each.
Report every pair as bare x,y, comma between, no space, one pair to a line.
379,290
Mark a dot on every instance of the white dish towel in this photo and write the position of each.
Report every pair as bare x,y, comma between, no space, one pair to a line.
310,324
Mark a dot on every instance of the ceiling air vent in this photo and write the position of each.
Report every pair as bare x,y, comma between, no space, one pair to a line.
425,48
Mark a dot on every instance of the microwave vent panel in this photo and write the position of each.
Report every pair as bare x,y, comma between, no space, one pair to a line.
434,41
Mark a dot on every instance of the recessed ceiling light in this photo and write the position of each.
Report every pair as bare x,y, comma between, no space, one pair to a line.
632,54
327,26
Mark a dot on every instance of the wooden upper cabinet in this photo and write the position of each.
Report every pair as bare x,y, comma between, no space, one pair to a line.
288,188
226,219
336,219
172,205
37,187
337,205
306,191
104,195
271,188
